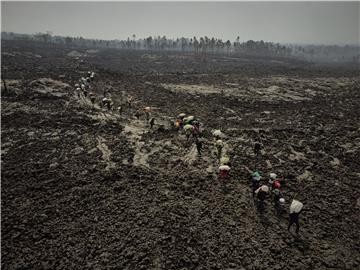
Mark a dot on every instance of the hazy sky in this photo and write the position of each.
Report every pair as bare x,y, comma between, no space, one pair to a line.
296,22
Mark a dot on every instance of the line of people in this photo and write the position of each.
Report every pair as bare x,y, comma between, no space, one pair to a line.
261,190
271,189
191,126
147,113
84,87
224,160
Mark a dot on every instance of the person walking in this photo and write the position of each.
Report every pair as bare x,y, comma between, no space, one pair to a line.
296,208
92,98
257,150
219,146
198,146
262,193
152,122
224,171
255,181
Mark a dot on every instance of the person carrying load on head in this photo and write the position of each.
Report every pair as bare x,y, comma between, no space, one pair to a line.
279,205
224,171
276,184
296,208
92,76
225,160
199,145
104,101
85,81
78,91
110,104
120,109
188,131
196,130
276,193
255,181
189,120
107,102
272,178
181,116
83,88
281,202
219,144
255,178
218,134
262,193
179,123
92,98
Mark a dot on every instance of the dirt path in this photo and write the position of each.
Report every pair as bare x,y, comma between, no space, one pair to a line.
106,152
191,156
134,131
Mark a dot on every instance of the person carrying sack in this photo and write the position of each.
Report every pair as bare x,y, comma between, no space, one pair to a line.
296,208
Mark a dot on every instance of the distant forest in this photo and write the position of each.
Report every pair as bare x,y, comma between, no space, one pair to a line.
204,46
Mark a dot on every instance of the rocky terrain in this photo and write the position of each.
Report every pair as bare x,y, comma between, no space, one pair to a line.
88,188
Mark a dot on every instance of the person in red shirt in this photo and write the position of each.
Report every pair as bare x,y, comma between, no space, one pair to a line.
224,171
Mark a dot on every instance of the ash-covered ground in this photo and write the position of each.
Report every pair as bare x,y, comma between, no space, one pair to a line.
85,188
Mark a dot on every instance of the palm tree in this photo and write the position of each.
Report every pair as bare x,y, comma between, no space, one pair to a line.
228,46
149,43
196,44
134,43
212,44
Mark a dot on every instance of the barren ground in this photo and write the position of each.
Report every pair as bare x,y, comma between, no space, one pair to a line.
84,188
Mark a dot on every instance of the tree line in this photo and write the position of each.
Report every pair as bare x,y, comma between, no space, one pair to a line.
203,45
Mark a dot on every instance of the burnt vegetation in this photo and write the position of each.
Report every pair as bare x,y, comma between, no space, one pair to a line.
88,188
